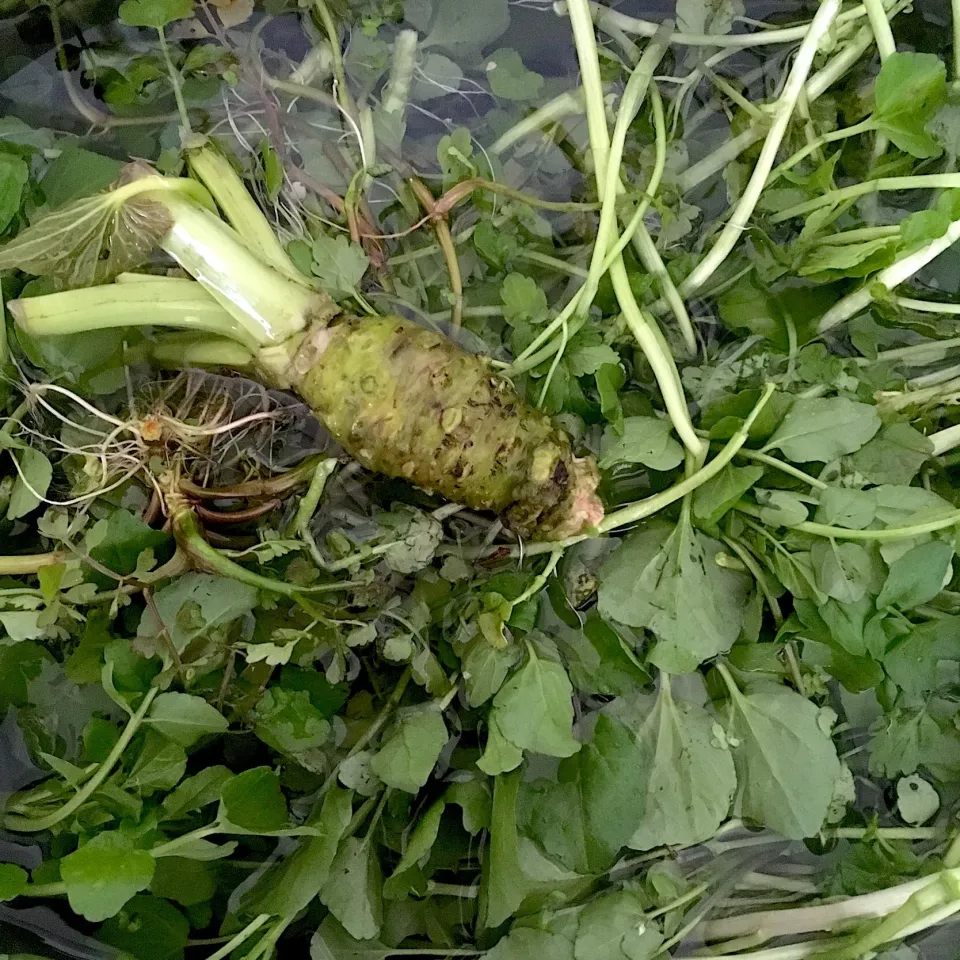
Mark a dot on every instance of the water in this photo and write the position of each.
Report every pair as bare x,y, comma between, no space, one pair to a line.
32,90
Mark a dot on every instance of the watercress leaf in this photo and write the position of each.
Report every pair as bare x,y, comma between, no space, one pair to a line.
509,78
185,719
917,800
410,752
833,262
187,882
918,576
692,777
526,943
615,927
824,428
485,667
713,499
32,483
287,721
496,246
14,174
422,839
473,798
503,884
844,570
534,710
154,13
463,25
147,928
583,819
893,456
781,508
339,265
104,874
332,942
88,242
291,884
910,88
160,765
522,299
645,440
78,173
13,881
210,601
254,801
587,358
708,16
786,761
196,792
353,891
437,77
903,742
599,661
665,579
845,507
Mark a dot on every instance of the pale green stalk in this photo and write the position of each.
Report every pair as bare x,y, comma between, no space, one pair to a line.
604,15
930,181
889,278
886,47
955,11
856,130
35,825
732,232
216,173
172,303
174,76
858,236
945,440
397,91
567,104
827,917
928,306
662,363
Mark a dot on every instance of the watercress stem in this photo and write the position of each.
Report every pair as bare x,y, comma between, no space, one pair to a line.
174,76
732,232
35,825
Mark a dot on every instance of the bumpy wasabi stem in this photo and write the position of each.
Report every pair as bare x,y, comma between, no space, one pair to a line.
406,402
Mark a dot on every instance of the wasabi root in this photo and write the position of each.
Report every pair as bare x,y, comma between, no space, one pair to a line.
402,400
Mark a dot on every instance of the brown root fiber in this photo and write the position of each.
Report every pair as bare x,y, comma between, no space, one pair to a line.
407,402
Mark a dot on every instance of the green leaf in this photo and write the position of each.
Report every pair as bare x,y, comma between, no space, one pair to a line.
843,507
509,78
464,25
185,719
438,76
503,884
88,242
332,942
708,16
422,838
78,173
354,889
485,667
147,928
32,483
615,927
918,576
13,881
910,88
522,299
339,265
289,722
844,570
583,819
645,440
831,262
528,943
254,801
187,882
291,884
499,755
14,174
160,765
786,762
534,710
719,494
664,579
196,792
599,661
417,536
893,456
822,429
473,798
410,752
692,777
104,874
190,607
154,13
